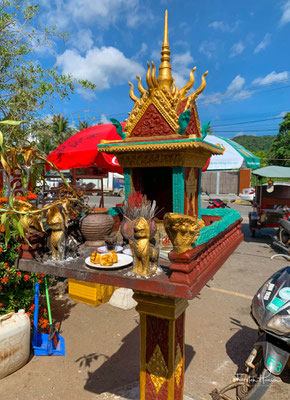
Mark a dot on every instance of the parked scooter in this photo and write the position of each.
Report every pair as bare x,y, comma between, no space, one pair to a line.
282,236
216,203
271,353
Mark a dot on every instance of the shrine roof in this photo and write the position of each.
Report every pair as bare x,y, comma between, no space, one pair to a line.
159,145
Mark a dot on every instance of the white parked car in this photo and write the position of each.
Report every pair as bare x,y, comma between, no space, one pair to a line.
248,194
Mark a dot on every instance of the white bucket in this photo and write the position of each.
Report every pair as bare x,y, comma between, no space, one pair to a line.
14,342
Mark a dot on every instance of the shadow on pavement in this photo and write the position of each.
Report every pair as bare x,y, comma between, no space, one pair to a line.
60,306
264,235
121,369
239,346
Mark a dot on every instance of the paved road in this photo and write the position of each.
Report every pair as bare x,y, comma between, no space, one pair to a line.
102,344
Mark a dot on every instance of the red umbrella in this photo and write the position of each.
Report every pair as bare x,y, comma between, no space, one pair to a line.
80,150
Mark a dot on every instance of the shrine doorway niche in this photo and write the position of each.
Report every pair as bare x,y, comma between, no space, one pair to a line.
156,183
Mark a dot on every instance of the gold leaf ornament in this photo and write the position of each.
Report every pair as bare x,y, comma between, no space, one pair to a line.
5,164
157,369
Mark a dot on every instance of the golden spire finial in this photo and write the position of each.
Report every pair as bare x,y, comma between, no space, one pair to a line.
165,78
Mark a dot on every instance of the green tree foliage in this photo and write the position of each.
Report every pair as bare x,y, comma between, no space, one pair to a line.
280,150
49,134
26,87
263,156
60,129
255,143
82,125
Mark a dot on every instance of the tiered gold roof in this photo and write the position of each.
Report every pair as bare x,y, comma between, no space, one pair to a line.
169,100
163,122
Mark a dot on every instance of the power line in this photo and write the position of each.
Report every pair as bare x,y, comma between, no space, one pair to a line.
262,115
247,93
249,130
249,122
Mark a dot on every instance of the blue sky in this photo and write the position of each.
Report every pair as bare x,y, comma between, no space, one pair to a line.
243,44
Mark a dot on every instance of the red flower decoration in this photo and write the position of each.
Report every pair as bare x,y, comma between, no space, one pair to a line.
32,196
26,277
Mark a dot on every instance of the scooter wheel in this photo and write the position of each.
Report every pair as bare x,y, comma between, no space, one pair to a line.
258,380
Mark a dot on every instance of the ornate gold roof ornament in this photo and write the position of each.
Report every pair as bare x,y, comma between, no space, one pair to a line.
163,123
198,91
164,98
165,79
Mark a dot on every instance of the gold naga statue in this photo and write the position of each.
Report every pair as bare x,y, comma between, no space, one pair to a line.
32,221
57,218
182,230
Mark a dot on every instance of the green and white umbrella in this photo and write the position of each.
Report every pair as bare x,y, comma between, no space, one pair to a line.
234,156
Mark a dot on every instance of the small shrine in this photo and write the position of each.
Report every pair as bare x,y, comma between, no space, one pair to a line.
162,150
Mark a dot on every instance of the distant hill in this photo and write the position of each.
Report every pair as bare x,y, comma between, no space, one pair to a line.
255,143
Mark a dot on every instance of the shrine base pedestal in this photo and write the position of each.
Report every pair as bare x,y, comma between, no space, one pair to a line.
162,321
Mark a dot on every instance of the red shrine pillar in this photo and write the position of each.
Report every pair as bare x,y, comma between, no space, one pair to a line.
162,321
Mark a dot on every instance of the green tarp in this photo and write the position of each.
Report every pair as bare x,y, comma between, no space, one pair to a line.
273,171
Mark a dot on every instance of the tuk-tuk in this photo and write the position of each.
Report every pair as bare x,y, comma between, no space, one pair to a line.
272,199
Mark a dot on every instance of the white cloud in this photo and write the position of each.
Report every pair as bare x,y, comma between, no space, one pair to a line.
104,119
213,98
207,48
143,50
273,77
64,13
282,114
285,18
223,27
181,66
104,66
236,84
185,28
263,44
235,91
242,95
237,48
101,11
180,81
87,94
155,54
82,40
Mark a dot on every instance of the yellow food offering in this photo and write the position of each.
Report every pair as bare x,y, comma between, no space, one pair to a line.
106,260
115,256
95,257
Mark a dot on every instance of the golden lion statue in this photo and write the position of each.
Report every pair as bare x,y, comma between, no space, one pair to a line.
141,248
